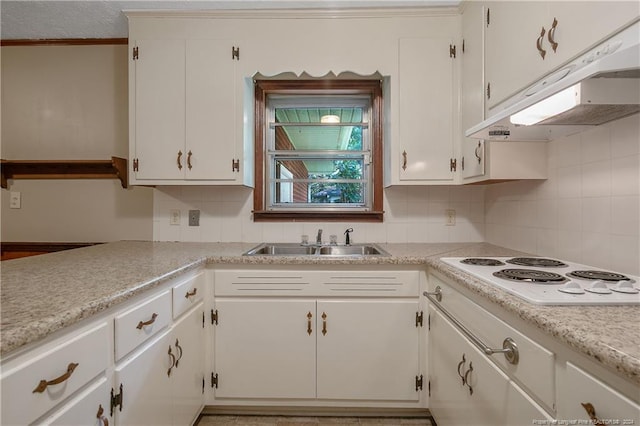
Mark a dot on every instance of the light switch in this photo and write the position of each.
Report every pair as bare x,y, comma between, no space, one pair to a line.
15,200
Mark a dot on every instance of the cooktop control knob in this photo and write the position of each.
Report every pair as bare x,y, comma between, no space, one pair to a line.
571,287
598,287
625,287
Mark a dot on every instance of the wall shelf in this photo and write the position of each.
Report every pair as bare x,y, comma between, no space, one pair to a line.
116,168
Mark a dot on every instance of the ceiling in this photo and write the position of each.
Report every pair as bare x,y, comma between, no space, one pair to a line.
51,19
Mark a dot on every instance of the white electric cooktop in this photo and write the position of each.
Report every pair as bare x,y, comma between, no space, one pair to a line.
547,281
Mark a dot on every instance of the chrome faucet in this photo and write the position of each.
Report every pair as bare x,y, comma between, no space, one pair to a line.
319,237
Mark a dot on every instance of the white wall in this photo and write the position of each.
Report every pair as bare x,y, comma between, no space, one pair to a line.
587,211
69,102
412,215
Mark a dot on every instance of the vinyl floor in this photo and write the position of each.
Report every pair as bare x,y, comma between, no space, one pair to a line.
225,420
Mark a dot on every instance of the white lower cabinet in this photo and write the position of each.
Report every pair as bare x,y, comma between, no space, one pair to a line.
162,382
91,407
317,349
467,388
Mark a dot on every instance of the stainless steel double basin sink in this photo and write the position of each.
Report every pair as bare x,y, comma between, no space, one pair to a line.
290,249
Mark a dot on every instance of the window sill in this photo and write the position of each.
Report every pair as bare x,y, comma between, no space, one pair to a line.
291,216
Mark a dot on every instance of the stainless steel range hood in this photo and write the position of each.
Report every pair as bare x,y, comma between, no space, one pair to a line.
600,86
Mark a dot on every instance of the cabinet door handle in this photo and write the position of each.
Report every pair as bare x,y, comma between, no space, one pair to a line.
404,160
179,160
591,411
148,322
552,34
44,383
478,152
541,51
179,348
103,420
309,330
189,154
461,364
173,361
324,323
466,378
191,293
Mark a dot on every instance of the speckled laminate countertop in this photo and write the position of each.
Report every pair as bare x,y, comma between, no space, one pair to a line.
43,294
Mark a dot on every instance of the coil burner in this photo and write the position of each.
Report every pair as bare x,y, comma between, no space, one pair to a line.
531,276
482,261
539,262
598,275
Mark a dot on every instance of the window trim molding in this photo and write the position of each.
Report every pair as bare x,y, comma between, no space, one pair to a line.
372,88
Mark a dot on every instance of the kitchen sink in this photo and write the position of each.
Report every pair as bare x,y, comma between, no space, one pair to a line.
289,249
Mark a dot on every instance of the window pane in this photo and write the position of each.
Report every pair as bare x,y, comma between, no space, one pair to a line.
319,115
318,138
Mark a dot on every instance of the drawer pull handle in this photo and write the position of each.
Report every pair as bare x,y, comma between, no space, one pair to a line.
179,160
437,293
460,364
151,321
466,378
103,420
552,34
541,51
44,383
173,361
478,152
180,355
509,347
324,323
189,154
591,411
309,330
191,293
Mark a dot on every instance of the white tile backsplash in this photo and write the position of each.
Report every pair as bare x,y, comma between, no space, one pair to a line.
588,210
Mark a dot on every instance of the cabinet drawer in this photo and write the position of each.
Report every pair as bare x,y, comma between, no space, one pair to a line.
23,404
84,409
610,406
136,325
535,370
188,293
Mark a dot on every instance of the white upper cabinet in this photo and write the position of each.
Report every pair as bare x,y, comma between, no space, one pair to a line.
184,121
425,149
526,40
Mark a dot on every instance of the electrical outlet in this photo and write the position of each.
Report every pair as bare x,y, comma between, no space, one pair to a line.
194,217
15,200
174,217
451,217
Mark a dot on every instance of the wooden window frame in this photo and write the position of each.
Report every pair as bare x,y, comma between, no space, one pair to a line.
372,88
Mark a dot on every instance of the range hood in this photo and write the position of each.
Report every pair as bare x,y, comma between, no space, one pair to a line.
601,85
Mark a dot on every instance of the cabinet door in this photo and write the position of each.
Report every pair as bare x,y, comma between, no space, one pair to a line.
83,410
480,400
263,348
368,349
146,385
187,338
472,93
210,110
159,116
512,59
610,406
426,103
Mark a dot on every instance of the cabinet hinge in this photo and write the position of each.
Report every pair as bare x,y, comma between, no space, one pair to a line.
462,163
488,16
203,384
488,90
135,164
235,165
203,316
235,53
214,380
462,45
419,318
116,400
214,317
452,50
429,387
453,164
429,322
135,53
418,383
